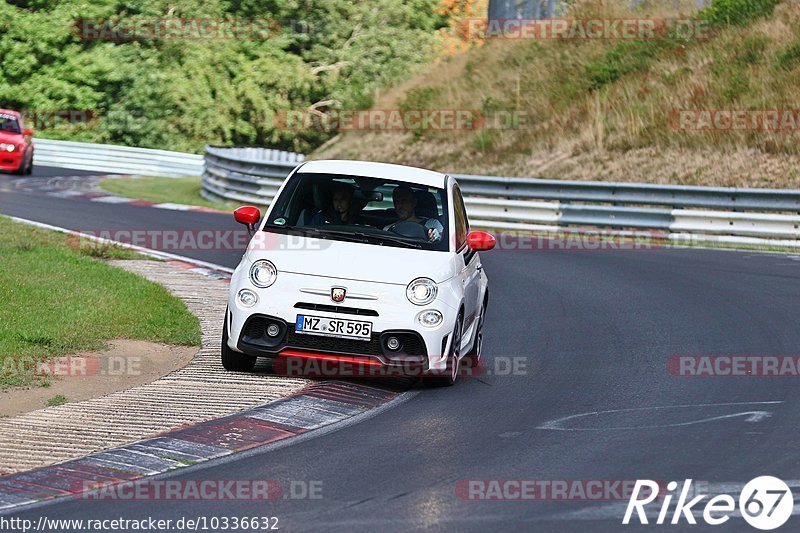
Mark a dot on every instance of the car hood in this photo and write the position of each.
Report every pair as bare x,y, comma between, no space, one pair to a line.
8,137
350,260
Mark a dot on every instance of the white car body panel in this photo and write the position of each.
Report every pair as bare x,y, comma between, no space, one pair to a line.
368,169
375,277
350,260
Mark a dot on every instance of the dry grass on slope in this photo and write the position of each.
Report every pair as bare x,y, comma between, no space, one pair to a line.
605,109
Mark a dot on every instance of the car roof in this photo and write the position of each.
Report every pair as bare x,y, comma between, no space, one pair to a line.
368,169
9,112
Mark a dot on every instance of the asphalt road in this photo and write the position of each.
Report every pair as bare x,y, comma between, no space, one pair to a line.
594,330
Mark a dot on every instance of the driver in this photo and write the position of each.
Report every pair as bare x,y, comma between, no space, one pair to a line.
405,204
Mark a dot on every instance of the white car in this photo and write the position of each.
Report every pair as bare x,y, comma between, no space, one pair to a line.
362,263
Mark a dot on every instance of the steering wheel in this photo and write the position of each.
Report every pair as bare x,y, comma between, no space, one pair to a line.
409,229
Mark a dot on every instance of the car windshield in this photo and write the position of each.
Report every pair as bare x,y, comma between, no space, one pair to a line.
360,209
9,123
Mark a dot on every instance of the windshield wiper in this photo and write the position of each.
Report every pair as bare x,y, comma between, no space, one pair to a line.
356,236
398,241
370,236
348,235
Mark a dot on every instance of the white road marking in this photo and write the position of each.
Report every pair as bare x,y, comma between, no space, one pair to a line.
113,199
752,416
174,207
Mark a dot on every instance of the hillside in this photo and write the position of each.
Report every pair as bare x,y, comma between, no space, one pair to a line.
611,109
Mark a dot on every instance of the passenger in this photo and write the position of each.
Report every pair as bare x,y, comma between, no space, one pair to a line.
343,211
405,204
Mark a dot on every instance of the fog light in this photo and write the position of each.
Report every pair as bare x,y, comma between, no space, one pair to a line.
393,343
273,330
247,298
430,318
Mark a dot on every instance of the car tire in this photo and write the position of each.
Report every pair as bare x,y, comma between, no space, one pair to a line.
450,375
473,358
21,170
231,360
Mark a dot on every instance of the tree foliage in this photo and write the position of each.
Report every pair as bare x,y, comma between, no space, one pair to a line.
181,94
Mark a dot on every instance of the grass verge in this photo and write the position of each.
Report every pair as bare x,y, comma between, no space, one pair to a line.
57,298
56,400
173,190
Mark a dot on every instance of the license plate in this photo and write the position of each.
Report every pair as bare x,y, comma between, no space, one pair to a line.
333,327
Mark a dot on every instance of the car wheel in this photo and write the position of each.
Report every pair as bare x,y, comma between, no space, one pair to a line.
449,376
231,360
473,358
21,170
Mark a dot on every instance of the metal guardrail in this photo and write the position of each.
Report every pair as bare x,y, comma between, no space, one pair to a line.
250,175
685,213
676,196
116,159
253,175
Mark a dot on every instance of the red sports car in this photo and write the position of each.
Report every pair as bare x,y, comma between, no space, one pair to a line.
16,147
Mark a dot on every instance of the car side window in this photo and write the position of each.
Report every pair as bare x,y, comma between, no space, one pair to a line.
461,220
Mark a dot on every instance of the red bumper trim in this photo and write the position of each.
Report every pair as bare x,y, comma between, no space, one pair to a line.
329,357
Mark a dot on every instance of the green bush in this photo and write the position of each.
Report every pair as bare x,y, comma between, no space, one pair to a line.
737,12
484,140
183,94
421,98
625,58
752,50
790,57
56,400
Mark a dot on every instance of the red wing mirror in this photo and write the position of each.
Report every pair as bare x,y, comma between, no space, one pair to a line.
27,133
481,241
247,215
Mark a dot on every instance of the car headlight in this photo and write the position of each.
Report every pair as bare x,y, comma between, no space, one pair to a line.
422,291
430,318
248,298
7,147
263,273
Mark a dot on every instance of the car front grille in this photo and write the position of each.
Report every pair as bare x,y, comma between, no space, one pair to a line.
335,309
254,334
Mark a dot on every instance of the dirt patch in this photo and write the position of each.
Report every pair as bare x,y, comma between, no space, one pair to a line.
126,364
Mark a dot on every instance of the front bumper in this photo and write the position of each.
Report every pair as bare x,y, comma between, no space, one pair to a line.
384,305
319,356
11,161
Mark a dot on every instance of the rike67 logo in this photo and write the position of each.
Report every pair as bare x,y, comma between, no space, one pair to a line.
765,503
